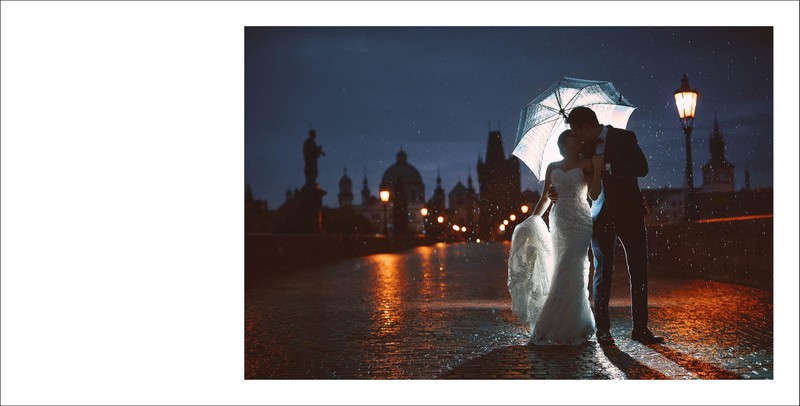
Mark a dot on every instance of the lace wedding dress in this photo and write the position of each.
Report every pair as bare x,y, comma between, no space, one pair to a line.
548,271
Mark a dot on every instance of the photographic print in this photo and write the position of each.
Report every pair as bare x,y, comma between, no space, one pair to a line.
579,203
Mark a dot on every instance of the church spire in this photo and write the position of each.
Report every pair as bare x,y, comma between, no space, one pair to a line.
717,143
718,172
438,200
345,190
494,148
345,180
248,192
365,194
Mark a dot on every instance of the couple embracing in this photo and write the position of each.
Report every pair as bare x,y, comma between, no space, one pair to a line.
549,269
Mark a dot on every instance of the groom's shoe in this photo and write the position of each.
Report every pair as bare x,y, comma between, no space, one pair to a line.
604,337
645,336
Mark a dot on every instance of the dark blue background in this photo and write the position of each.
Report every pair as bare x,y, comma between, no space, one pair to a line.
369,91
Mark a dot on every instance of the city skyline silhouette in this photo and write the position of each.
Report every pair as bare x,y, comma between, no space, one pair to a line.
436,92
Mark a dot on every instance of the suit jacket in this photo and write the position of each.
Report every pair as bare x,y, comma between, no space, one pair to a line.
620,197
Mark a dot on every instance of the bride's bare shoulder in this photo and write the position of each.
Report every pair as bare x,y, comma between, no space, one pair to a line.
554,165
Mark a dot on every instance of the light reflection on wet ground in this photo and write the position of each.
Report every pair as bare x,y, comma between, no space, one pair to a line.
444,312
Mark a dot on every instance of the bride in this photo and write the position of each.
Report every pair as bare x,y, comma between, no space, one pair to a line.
548,271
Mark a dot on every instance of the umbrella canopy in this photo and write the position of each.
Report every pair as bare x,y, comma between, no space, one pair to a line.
545,116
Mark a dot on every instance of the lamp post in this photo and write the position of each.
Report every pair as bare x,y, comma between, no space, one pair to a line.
385,201
424,212
686,102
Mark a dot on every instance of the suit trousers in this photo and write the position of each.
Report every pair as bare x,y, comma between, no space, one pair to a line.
632,233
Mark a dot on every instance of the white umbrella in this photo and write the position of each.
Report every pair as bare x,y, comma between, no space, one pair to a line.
545,116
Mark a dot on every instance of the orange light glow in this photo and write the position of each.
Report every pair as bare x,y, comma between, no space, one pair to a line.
686,103
524,208
513,217
384,196
502,227
387,300
423,211
440,219
738,218
686,99
456,228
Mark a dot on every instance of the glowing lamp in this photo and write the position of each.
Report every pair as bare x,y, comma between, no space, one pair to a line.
686,102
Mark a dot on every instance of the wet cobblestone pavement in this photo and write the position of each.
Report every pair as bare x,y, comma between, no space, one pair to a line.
444,312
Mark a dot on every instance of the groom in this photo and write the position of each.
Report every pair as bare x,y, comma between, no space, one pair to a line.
617,213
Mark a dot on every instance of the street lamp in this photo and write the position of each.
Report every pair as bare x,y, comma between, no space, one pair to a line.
424,212
440,219
385,201
686,102
524,208
512,217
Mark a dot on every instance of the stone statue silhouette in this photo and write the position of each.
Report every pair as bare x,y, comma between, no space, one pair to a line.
311,152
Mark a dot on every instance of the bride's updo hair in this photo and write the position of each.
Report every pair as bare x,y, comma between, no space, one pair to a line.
562,139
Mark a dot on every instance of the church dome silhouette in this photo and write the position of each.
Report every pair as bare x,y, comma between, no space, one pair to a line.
405,174
401,170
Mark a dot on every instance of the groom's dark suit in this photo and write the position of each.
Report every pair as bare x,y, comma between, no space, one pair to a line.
619,213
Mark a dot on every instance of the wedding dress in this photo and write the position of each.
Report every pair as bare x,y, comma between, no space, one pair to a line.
548,271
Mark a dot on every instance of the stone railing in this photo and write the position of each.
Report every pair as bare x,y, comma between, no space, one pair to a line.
728,251
731,251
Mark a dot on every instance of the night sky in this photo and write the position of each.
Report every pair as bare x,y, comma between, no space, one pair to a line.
433,91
